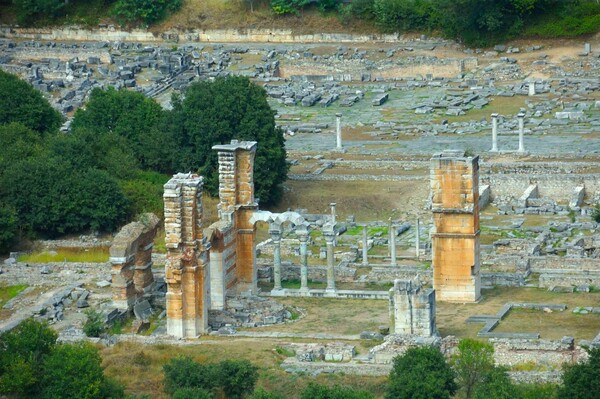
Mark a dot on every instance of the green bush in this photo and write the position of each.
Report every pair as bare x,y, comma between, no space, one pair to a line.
192,393
9,227
145,12
582,380
316,391
29,11
94,325
596,213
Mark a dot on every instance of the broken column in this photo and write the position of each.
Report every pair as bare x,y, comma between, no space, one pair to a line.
392,232
338,130
418,238
455,239
412,309
329,234
494,132
532,88
303,232
332,205
131,259
186,271
365,246
275,233
521,117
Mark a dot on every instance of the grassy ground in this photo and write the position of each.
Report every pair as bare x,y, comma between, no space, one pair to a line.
8,292
140,367
91,255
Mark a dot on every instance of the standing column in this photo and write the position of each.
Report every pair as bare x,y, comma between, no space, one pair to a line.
521,117
393,244
494,132
302,232
365,246
418,238
275,232
338,130
329,234
333,221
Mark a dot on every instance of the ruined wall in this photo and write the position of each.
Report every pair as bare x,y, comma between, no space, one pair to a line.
508,352
412,309
186,267
131,260
559,187
455,240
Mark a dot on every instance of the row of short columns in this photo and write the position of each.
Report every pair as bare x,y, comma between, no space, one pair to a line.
521,119
392,243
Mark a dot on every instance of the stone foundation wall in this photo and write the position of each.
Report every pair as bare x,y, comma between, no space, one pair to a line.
509,352
559,187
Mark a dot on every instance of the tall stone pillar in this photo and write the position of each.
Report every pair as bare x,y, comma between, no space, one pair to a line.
329,234
494,132
333,216
392,244
365,246
275,233
303,232
521,117
455,240
338,131
237,204
418,238
186,271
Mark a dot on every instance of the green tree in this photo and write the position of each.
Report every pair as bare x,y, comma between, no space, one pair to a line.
582,380
94,325
22,350
72,371
596,213
28,11
229,108
184,372
126,114
192,393
23,104
144,12
17,142
421,373
237,378
472,363
495,384
9,227
316,391
263,394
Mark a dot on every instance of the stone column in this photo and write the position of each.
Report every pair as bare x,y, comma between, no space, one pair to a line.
329,234
532,88
392,244
521,117
338,130
418,239
332,205
494,132
365,246
275,233
302,232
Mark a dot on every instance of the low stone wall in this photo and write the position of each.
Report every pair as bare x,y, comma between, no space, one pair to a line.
553,353
54,273
559,187
551,264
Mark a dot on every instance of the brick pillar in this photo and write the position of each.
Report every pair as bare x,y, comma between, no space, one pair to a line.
186,271
455,241
236,198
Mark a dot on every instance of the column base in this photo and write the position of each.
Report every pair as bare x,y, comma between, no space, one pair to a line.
278,292
330,292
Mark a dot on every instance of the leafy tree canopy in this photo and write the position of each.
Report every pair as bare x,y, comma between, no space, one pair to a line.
316,391
582,380
217,112
472,363
421,373
23,104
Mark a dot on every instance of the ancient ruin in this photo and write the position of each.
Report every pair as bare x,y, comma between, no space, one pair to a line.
130,256
455,239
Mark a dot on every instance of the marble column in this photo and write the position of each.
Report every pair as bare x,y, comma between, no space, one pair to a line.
338,130
521,117
494,132
532,88
418,238
332,205
329,234
275,233
365,246
302,232
393,244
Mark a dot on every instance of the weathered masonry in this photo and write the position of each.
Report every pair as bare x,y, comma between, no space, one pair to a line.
412,309
455,239
131,259
201,269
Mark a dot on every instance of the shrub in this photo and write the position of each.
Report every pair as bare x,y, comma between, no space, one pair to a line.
144,12
596,213
94,325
